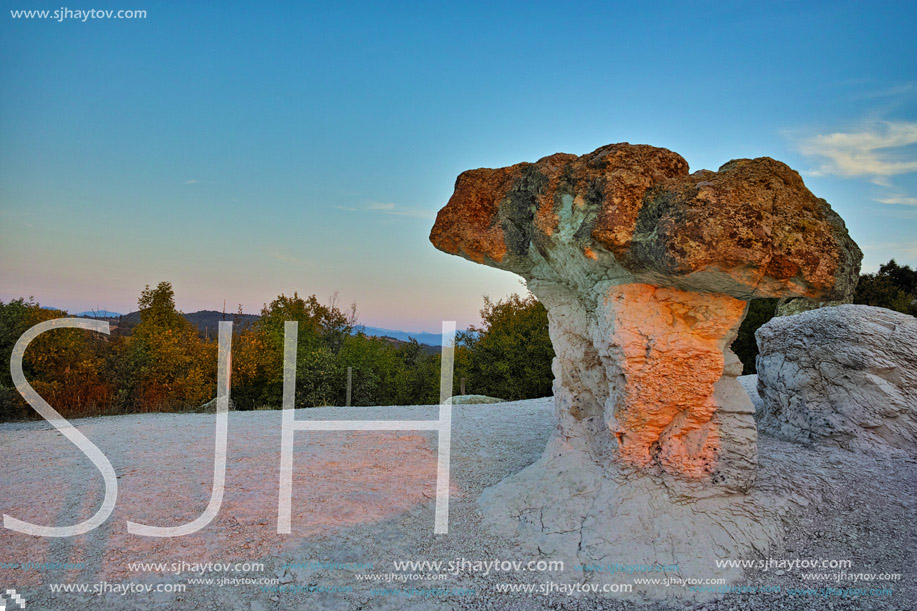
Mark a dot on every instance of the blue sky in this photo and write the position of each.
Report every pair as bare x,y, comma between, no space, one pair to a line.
241,150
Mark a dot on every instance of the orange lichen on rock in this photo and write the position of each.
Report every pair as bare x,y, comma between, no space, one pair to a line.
751,229
471,229
621,174
546,218
754,221
613,179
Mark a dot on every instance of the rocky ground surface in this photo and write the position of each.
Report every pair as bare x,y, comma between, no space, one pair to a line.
364,500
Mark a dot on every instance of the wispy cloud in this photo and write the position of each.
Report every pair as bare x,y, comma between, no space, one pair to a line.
389,208
899,200
877,151
905,251
381,207
19,215
192,181
906,89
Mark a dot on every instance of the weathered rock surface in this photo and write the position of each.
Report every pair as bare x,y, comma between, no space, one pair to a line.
844,375
639,379
646,271
633,213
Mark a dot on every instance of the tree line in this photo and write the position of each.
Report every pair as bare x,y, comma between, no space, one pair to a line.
164,364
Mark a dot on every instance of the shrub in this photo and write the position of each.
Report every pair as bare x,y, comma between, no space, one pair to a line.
510,354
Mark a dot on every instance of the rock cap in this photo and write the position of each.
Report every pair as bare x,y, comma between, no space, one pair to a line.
634,213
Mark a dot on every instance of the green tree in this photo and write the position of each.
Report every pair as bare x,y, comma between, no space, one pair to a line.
15,319
893,287
417,381
746,348
510,354
157,309
322,332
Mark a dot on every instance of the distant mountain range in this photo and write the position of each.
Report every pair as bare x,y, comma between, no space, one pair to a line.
98,314
207,323
430,339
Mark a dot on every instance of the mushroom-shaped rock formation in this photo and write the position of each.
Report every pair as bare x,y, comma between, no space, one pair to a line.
646,272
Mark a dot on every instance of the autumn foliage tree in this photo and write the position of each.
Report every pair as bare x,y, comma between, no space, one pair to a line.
170,365
64,366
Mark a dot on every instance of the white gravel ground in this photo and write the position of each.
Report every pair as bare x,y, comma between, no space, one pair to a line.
367,498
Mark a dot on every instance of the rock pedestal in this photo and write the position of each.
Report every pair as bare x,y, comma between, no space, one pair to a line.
646,378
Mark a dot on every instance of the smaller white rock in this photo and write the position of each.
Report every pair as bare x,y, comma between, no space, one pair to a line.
845,375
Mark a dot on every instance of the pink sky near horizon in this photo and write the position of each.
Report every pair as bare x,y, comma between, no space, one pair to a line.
424,309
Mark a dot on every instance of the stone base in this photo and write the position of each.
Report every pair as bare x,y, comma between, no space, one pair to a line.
566,506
